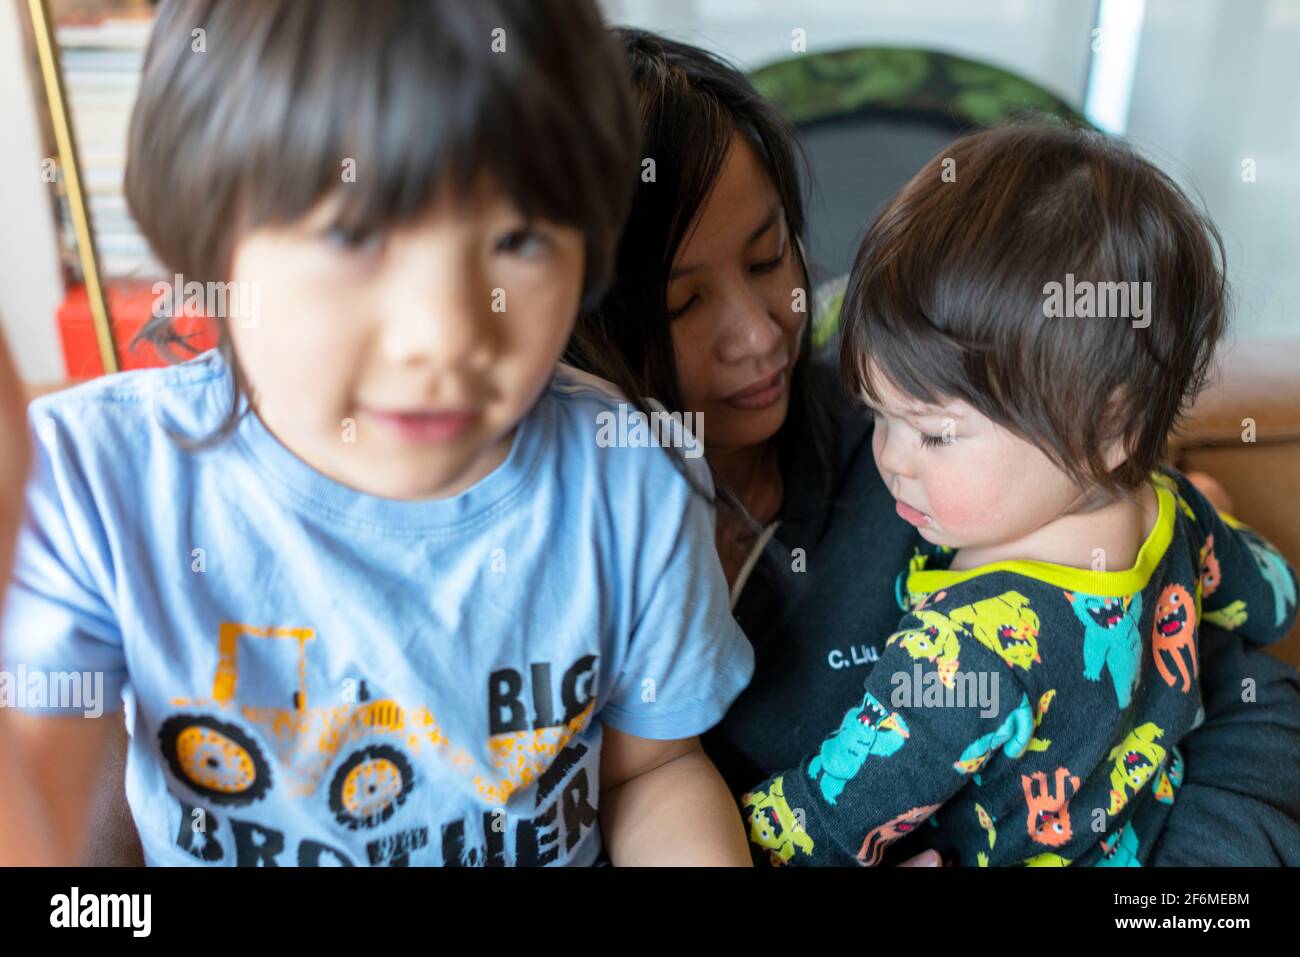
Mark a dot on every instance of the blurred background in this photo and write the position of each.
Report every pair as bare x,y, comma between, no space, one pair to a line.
1206,88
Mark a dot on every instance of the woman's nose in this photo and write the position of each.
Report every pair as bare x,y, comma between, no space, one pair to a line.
750,330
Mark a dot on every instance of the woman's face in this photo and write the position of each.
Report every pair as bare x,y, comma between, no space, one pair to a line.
737,307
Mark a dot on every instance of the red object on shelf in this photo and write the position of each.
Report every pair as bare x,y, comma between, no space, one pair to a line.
130,304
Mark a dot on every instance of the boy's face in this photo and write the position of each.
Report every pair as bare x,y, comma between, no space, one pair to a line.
399,364
961,479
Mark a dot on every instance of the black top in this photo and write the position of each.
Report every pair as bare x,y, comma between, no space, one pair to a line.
816,619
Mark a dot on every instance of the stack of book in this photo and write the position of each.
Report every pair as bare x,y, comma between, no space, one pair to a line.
101,62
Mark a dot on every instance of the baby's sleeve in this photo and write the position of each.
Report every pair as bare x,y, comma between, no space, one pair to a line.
1247,586
686,660
934,710
60,645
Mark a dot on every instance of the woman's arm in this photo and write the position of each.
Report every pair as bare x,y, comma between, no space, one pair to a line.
1239,804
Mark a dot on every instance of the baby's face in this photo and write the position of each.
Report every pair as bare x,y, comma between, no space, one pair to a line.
399,364
962,480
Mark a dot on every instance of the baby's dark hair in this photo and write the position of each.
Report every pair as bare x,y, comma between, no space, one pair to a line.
248,112
951,295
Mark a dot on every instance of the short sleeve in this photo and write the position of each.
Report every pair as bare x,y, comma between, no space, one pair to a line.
932,713
60,644
686,659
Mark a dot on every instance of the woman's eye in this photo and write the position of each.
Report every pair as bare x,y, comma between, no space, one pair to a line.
526,242
763,268
354,241
678,313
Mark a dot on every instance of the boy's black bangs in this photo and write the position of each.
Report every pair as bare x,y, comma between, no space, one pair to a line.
384,104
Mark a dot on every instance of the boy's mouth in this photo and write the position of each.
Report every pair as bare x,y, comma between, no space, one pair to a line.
912,515
429,427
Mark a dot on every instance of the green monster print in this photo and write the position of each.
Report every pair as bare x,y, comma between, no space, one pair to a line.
936,641
1004,624
1110,638
1135,761
866,730
773,826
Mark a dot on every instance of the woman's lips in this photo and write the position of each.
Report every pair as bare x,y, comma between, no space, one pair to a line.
424,426
911,515
761,394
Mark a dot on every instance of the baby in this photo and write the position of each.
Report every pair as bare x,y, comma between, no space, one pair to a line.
1027,320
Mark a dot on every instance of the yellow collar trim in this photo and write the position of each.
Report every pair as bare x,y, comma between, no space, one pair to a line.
1101,584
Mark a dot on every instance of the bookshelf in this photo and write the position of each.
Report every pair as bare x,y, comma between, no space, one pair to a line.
86,58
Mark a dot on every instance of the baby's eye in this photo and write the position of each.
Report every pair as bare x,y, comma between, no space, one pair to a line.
525,241
930,441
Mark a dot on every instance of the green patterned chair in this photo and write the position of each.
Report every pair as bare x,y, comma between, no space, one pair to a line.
869,118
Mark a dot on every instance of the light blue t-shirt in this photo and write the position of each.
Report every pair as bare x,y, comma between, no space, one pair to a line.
313,675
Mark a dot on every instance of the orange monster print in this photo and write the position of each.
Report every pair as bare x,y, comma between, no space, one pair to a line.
877,839
1049,811
1173,631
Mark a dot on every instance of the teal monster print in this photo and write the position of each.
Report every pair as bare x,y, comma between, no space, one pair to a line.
1274,569
866,730
1012,736
1120,849
1110,638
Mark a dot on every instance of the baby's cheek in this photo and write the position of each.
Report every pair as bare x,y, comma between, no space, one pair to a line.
968,514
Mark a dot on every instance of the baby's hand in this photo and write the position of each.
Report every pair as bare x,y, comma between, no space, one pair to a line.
14,458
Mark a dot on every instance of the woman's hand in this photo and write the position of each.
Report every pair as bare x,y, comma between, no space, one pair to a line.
924,859
1209,486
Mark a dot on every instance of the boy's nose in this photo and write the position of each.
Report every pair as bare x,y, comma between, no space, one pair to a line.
445,330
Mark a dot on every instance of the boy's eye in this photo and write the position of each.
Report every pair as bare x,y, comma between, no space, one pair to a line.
526,241
354,241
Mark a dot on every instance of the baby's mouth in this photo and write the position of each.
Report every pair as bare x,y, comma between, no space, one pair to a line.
911,515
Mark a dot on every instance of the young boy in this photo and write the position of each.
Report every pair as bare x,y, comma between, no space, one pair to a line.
371,589
1026,335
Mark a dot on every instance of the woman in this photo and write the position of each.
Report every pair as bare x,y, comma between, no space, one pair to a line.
709,316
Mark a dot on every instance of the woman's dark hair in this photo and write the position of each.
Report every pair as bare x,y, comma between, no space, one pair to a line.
248,112
956,288
690,103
